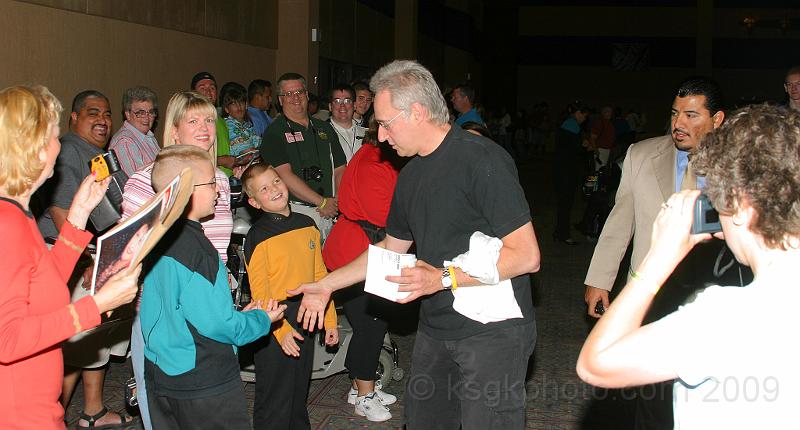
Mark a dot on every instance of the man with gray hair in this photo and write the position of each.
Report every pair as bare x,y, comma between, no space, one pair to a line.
455,185
134,142
306,154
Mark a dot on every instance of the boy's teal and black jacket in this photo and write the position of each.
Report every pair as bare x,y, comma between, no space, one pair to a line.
188,321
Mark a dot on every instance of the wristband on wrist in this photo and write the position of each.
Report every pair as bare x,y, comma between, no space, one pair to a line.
452,271
639,279
324,202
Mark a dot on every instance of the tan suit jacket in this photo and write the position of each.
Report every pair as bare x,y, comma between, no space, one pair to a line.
648,179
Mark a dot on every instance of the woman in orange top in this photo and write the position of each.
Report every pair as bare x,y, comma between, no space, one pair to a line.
35,312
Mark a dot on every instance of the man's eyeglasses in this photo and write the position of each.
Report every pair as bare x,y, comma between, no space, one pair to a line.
345,101
792,85
152,113
214,183
364,99
291,94
386,124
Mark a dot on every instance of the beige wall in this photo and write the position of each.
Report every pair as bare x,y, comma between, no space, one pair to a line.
72,51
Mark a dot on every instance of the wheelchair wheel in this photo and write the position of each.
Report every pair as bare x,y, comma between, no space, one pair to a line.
385,369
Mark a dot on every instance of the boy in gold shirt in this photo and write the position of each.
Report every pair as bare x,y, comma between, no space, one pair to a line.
282,251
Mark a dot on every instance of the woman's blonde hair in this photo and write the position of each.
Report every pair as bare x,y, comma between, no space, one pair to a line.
26,115
179,105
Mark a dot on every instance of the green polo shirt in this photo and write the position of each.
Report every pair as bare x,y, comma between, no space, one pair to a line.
223,143
286,141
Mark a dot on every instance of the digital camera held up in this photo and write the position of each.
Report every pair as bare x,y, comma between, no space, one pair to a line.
104,165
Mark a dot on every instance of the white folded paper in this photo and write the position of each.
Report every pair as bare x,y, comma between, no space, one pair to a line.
492,301
382,263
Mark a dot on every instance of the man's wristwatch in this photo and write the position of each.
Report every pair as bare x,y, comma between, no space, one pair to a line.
447,281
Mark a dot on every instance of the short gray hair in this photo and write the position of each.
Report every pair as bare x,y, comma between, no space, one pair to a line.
138,94
409,82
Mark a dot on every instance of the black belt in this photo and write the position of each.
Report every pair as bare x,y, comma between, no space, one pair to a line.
49,240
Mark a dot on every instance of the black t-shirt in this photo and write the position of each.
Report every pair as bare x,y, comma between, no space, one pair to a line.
467,184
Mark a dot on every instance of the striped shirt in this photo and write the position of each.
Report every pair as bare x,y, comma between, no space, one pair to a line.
217,229
133,148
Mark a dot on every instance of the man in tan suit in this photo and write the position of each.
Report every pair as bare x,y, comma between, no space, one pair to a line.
653,170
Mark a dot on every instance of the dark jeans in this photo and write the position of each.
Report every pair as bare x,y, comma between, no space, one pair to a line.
224,411
473,383
566,184
368,332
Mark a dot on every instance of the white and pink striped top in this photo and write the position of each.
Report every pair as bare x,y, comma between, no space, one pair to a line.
217,229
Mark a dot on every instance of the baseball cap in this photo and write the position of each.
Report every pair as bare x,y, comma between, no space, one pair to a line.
200,76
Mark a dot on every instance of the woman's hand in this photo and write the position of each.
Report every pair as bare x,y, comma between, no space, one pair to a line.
672,238
88,196
120,289
331,336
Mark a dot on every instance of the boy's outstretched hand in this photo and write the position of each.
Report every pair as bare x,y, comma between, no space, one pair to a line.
331,336
273,308
288,344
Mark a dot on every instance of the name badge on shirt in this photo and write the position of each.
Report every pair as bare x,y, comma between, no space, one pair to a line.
298,136
289,137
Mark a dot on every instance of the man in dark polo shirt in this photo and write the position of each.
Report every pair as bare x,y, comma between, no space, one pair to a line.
466,372
306,154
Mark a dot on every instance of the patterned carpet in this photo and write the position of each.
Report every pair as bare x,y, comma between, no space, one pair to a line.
557,399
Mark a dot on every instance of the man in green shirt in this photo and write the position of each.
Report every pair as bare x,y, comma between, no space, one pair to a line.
306,154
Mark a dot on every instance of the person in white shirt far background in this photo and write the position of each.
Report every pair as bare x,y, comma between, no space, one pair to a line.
350,134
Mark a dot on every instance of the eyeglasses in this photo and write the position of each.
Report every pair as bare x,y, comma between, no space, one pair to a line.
214,183
144,113
792,85
345,101
364,99
291,94
386,124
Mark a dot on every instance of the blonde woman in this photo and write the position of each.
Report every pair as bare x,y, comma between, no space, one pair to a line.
35,310
190,120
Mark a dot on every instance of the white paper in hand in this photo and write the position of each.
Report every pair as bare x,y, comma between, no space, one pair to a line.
382,263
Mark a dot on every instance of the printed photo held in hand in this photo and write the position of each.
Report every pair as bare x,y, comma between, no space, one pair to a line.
124,246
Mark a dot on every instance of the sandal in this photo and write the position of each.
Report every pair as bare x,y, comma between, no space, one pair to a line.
125,420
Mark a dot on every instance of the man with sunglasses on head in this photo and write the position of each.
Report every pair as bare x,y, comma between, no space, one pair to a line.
134,143
342,108
306,154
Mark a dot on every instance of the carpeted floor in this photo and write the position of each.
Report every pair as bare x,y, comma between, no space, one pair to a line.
557,399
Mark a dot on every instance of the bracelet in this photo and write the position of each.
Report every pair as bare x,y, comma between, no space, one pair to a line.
651,287
452,271
75,226
324,202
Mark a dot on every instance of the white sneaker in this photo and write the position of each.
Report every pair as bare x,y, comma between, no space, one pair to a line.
370,406
385,398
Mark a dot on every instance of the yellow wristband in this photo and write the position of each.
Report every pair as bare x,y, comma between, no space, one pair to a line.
651,287
453,277
324,202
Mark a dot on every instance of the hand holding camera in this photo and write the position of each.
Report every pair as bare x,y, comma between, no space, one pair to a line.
88,196
672,235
